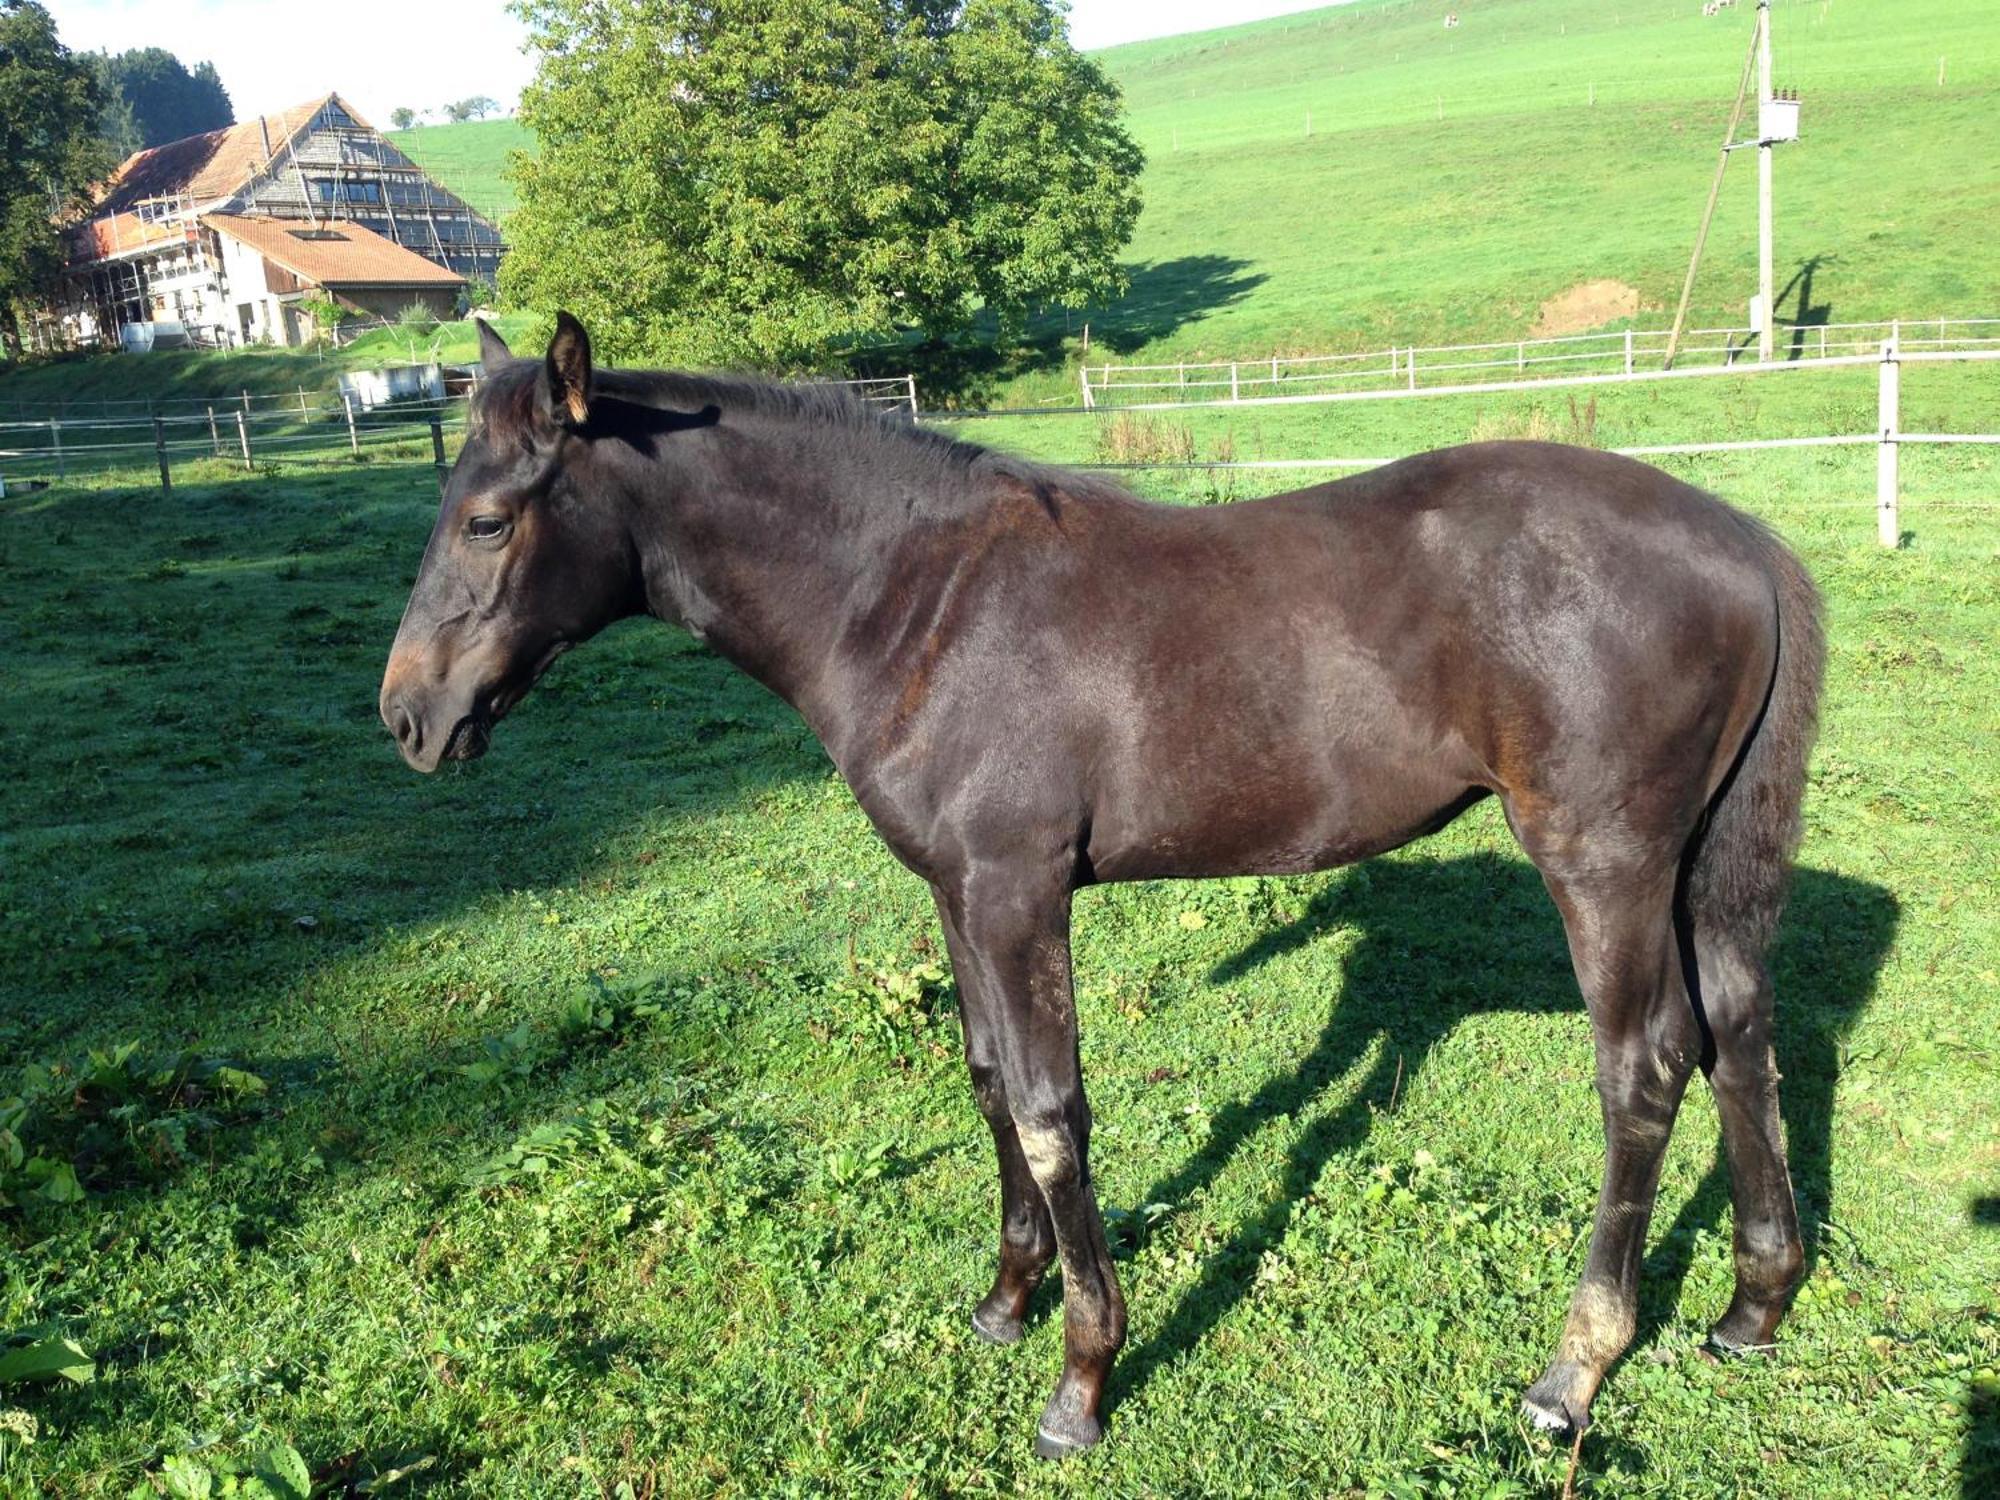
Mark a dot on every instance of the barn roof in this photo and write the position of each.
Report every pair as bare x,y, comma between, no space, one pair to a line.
210,166
341,254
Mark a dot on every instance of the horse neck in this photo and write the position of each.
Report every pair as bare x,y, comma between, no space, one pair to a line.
770,539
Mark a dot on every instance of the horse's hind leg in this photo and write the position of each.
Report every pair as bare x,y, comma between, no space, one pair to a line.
1027,1235
1736,1003
1618,911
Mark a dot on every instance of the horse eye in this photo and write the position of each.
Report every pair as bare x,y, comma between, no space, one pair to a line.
486,528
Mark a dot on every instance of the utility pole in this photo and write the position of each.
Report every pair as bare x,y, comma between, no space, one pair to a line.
1766,328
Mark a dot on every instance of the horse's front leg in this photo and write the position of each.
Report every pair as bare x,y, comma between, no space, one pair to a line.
1013,925
1027,1237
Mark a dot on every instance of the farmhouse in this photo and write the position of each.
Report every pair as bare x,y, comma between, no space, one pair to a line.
220,237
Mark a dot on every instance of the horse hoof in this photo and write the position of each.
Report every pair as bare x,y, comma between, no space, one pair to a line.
1724,1345
1059,1438
994,1327
1549,1408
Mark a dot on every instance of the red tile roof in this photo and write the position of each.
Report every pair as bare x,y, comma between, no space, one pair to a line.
206,167
342,254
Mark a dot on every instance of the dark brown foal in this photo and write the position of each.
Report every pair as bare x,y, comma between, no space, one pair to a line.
1035,682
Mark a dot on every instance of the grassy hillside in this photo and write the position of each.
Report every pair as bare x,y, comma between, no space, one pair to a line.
470,159
1454,180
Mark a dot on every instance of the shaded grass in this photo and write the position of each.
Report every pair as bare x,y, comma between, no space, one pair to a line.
1346,1131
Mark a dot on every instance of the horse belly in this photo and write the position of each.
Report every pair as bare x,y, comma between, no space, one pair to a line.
1227,803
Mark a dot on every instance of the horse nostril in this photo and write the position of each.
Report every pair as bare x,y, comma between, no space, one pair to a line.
402,725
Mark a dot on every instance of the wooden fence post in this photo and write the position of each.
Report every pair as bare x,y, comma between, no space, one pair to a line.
302,403
912,379
214,436
243,438
160,449
1628,351
1888,452
437,455
353,441
1083,374
1411,354
1234,394
55,441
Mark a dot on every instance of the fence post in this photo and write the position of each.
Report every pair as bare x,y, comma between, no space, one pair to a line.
437,454
353,441
243,438
55,441
1083,374
1234,394
1274,374
214,436
1888,453
160,449
1412,356
1628,351
302,403
912,379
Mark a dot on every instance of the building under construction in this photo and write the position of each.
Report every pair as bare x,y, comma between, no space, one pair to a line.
219,237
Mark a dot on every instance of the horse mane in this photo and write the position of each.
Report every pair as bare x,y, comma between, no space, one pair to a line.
849,428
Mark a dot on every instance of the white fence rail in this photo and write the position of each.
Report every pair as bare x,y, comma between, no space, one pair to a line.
1402,368
1888,439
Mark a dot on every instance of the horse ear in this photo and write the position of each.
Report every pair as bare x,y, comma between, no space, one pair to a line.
566,372
493,349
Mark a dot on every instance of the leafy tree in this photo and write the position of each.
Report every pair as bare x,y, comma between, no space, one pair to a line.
151,98
478,107
402,117
50,153
722,181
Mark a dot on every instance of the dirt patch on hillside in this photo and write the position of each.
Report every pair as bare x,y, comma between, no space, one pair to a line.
1587,305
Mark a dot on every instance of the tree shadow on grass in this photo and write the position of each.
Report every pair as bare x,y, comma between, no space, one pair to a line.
1165,296
1836,934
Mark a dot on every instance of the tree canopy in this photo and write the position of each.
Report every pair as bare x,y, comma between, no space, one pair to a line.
768,180
151,98
50,154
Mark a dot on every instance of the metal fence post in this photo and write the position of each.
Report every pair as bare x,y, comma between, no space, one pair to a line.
1888,452
243,438
437,455
353,441
160,449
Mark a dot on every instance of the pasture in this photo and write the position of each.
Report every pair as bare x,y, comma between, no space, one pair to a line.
591,1119
597,1116
1454,181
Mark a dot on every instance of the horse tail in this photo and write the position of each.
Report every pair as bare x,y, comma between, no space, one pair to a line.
1740,861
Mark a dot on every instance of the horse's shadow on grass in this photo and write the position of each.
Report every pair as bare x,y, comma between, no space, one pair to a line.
1979,1475
1836,934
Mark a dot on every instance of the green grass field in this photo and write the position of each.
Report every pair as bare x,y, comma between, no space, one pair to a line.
470,159
605,1123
